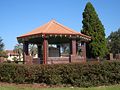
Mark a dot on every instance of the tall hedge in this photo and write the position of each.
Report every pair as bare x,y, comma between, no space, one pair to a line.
81,75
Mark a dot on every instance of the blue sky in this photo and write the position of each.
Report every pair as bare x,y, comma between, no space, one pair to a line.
20,16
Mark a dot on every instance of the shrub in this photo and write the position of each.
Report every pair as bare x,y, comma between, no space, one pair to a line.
75,74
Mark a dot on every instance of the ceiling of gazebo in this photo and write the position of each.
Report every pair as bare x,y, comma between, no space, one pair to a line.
51,29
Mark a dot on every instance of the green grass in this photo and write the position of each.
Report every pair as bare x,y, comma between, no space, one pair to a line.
115,87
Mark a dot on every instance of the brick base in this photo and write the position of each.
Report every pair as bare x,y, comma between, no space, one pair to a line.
57,60
76,58
36,61
28,59
117,56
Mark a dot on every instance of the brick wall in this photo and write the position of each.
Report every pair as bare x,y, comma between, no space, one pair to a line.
28,59
76,58
36,61
57,60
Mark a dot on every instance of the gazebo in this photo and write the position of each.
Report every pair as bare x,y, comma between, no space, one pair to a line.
57,34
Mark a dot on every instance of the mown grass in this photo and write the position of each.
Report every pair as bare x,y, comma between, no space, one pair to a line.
115,87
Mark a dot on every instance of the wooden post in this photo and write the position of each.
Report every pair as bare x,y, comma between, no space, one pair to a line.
73,47
40,54
77,48
25,51
58,46
72,50
25,48
45,49
83,48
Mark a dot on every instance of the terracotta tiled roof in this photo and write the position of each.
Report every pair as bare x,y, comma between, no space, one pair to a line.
53,27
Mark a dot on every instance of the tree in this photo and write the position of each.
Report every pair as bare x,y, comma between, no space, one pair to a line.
1,44
18,49
2,52
113,42
33,50
93,27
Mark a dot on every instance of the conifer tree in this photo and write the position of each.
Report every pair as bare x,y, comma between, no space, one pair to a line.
93,27
1,44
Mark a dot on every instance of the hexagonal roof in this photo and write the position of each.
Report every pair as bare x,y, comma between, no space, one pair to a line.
53,28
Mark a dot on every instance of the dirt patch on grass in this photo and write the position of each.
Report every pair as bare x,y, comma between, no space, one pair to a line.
35,85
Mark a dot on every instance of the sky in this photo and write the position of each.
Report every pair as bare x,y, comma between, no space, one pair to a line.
18,17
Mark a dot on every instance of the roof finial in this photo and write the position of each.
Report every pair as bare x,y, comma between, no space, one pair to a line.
53,20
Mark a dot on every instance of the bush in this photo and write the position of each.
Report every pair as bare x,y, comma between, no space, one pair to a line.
75,74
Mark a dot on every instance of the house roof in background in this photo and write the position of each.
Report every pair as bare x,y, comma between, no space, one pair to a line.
11,52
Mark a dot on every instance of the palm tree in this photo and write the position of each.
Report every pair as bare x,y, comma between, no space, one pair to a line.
33,50
19,49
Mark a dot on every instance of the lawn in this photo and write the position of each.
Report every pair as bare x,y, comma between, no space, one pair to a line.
115,87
